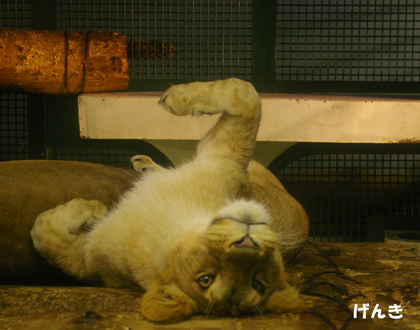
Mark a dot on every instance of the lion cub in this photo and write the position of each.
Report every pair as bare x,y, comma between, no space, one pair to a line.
207,237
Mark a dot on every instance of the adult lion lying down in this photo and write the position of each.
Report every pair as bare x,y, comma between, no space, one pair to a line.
208,237
28,188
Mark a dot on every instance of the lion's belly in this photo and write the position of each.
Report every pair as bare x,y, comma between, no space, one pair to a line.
134,239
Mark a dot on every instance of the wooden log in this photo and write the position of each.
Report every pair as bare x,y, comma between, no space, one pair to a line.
106,58
54,62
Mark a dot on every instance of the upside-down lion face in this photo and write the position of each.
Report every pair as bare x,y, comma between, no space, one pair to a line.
232,268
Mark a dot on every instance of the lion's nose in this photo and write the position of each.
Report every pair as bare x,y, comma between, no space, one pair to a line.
246,242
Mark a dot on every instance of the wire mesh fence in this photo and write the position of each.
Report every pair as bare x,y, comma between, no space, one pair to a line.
356,40
349,193
195,40
14,126
14,106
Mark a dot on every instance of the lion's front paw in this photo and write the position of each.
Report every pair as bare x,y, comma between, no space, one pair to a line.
233,96
142,163
181,99
59,234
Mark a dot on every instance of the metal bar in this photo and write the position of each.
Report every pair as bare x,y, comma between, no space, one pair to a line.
23,14
223,40
116,17
208,41
162,64
16,16
216,37
264,24
132,42
185,41
143,68
200,50
178,41
192,40
170,38
147,39
86,15
154,39
71,16
238,34
230,38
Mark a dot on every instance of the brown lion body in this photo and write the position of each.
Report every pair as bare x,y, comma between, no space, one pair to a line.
28,188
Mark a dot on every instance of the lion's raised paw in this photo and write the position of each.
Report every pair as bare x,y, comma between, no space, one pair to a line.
180,99
59,234
142,163
233,96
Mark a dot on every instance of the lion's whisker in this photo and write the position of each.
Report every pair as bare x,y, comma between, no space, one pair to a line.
209,308
258,310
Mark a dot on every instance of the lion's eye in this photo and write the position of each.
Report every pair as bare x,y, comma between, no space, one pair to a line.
258,286
205,281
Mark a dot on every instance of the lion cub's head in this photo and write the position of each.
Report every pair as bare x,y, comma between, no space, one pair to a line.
233,267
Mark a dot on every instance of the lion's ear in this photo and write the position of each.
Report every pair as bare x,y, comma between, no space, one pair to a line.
166,303
286,299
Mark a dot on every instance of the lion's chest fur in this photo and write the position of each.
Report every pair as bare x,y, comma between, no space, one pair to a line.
160,209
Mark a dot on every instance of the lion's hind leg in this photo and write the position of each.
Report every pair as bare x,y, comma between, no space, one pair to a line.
60,235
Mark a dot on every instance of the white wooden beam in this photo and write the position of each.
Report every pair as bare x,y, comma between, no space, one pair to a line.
286,118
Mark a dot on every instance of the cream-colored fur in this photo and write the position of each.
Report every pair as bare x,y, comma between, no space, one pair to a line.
207,237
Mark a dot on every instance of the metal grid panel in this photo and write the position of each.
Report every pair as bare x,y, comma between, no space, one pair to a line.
340,40
342,192
15,14
105,156
14,126
194,40
14,107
